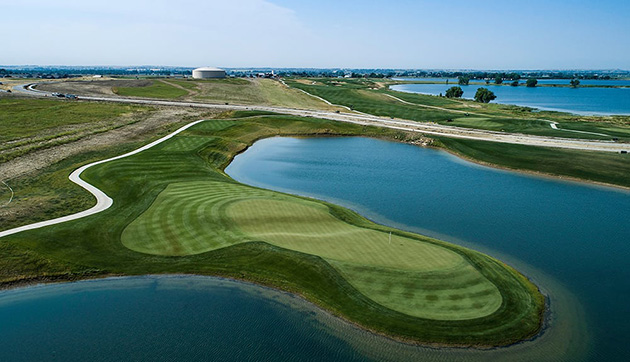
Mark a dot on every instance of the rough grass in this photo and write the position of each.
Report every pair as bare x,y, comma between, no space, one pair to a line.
22,118
605,167
157,89
370,97
340,285
256,91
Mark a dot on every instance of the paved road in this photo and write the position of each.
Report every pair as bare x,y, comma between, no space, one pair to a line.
365,119
103,202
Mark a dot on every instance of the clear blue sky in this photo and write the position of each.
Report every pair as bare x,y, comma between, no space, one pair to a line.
533,34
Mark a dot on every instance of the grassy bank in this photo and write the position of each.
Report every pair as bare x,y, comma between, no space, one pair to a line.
156,89
602,167
244,91
248,233
374,97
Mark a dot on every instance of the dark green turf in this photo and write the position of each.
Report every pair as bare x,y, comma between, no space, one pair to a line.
93,245
606,167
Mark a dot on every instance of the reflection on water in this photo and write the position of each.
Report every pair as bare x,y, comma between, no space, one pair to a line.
576,234
575,100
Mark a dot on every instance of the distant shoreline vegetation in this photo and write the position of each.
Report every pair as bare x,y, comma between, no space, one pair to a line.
62,72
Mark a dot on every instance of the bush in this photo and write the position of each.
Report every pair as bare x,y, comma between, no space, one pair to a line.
454,92
484,95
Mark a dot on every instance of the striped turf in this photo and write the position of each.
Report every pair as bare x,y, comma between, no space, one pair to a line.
417,278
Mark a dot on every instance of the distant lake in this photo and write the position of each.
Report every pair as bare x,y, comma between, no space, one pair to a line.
433,79
589,101
603,82
577,233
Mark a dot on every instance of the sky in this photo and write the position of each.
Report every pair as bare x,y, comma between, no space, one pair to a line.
428,34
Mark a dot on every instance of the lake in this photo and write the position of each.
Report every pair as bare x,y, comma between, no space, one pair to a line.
570,238
591,82
164,318
586,101
576,233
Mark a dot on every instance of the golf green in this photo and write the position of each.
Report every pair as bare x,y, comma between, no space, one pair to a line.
408,275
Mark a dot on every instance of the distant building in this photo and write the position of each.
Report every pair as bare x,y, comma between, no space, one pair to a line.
208,73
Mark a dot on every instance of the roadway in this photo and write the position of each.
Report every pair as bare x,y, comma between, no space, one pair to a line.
426,128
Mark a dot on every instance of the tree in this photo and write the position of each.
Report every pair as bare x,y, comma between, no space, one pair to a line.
454,92
514,83
463,80
484,95
532,82
574,83
498,80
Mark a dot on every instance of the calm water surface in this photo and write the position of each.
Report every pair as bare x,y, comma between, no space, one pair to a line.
163,319
604,101
602,82
577,233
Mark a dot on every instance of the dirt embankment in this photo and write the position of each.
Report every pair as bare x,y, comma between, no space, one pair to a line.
34,161
25,206
92,87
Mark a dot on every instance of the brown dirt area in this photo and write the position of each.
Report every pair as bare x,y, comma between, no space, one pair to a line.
25,206
93,87
39,159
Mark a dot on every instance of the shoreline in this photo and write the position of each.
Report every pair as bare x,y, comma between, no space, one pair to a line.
535,108
544,327
540,174
36,282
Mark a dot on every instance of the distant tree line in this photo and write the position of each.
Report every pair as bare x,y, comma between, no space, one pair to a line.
486,76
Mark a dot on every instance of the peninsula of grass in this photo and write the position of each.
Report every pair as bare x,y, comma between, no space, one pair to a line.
601,167
175,211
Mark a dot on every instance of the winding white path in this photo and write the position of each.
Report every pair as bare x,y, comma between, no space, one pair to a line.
103,202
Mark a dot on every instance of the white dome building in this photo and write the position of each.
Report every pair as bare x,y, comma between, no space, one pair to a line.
208,73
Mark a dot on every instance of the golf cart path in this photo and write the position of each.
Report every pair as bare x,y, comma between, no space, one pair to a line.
103,202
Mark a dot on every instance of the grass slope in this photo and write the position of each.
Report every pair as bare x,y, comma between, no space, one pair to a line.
605,167
352,286
157,89
33,124
229,90
374,97
23,118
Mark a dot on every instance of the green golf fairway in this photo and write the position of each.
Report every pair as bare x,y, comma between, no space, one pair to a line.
175,211
195,217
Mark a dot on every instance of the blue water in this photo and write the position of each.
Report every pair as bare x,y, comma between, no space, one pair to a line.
577,233
592,82
436,80
604,82
596,101
162,319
